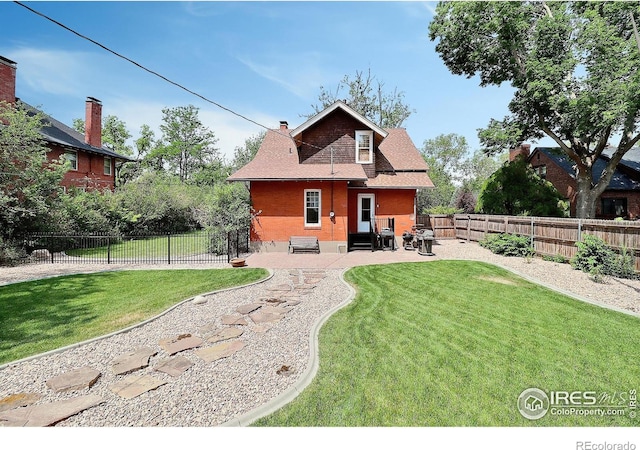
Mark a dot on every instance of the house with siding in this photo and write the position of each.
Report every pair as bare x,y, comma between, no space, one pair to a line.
338,178
92,166
620,199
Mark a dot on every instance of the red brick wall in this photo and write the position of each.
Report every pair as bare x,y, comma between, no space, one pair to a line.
7,82
397,203
90,174
282,210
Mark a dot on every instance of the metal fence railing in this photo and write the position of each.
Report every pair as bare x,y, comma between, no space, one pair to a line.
194,247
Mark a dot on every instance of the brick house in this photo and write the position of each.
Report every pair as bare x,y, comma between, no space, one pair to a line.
338,177
620,199
93,166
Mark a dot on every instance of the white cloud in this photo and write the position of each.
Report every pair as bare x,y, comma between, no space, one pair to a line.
52,71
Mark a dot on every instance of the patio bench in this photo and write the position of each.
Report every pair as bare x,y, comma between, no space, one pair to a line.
304,244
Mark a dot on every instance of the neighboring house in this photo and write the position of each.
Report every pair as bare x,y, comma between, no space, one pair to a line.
92,165
338,177
620,199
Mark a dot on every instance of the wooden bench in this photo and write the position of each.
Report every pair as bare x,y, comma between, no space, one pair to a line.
304,244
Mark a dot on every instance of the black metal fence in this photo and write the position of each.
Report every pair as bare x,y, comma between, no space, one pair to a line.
186,248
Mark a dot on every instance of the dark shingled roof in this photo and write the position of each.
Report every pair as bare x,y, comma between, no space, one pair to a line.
620,180
56,132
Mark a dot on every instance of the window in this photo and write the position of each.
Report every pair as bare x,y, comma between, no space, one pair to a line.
614,207
541,171
107,165
312,207
72,157
364,147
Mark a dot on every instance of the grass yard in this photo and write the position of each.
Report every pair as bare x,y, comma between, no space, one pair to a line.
454,343
38,316
186,244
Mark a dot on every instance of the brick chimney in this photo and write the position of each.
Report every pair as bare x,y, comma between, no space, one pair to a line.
7,80
284,125
93,122
522,149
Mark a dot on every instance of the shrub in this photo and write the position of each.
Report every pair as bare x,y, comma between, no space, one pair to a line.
508,244
595,257
11,253
443,210
555,258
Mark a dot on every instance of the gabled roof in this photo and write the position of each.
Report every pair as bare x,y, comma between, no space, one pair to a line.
619,181
343,106
56,132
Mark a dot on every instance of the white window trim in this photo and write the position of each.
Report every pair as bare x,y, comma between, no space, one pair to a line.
313,225
365,133
67,152
105,166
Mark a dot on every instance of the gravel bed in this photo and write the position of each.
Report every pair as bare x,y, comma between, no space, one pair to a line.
207,394
210,394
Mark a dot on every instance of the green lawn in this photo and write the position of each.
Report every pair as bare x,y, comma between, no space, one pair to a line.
42,315
179,245
454,343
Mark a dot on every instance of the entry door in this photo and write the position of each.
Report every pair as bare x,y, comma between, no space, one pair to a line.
366,211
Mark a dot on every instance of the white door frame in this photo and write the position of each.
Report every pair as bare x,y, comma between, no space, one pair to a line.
363,226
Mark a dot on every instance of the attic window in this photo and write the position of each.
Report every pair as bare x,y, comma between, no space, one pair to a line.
364,147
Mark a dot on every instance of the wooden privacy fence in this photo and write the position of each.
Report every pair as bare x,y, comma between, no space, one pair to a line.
552,236
441,224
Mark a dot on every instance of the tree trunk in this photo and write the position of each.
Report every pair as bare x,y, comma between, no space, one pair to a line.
586,198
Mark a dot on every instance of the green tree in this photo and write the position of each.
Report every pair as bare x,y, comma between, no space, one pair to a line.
574,68
29,184
515,189
187,145
367,95
243,155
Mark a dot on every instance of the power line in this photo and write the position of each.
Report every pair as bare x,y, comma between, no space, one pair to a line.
153,72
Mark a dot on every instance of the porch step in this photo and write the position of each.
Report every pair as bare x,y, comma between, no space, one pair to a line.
360,246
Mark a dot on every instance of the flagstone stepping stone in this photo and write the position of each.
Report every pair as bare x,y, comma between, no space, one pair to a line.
312,280
280,287
260,316
219,351
224,334
272,300
19,400
275,310
48,414
208,330
132,361
77,379
246,309
292,302
180,343
134,385
233,320
263,328
174,366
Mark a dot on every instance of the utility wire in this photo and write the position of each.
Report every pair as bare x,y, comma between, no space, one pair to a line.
153,72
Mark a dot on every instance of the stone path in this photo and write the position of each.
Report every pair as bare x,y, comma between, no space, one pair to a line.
209,343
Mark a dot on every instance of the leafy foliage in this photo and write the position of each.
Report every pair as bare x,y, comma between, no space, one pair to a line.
508,244
595,257
573,66
515,189
28,193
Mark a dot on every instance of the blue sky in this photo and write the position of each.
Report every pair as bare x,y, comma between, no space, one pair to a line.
264,60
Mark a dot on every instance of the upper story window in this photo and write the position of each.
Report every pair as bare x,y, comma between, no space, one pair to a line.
541,171
364,147
312,207
107,165
72,157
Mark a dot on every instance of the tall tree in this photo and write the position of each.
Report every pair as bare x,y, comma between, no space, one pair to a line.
574,67
243,155
368,96
187,145
29,184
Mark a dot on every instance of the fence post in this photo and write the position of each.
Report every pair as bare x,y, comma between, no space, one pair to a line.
169,248
468,228
579,230
108,249
532,233
228,246
486,226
